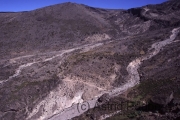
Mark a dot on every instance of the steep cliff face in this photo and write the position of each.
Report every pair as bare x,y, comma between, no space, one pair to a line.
65,54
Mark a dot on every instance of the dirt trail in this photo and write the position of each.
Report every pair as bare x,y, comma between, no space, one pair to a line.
133,79
133,66
85,83
71,108
21,67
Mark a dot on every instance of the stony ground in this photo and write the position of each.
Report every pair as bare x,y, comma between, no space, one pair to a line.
54,57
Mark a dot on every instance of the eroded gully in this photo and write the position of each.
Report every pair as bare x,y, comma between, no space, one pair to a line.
133,79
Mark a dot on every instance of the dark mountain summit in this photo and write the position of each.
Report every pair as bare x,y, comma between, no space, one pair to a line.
63,25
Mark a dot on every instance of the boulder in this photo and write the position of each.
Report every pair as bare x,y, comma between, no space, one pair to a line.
104,98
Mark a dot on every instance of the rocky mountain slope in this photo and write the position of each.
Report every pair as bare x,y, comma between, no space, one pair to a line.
56,58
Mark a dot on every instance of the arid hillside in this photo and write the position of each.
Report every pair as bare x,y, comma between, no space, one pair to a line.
56,57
